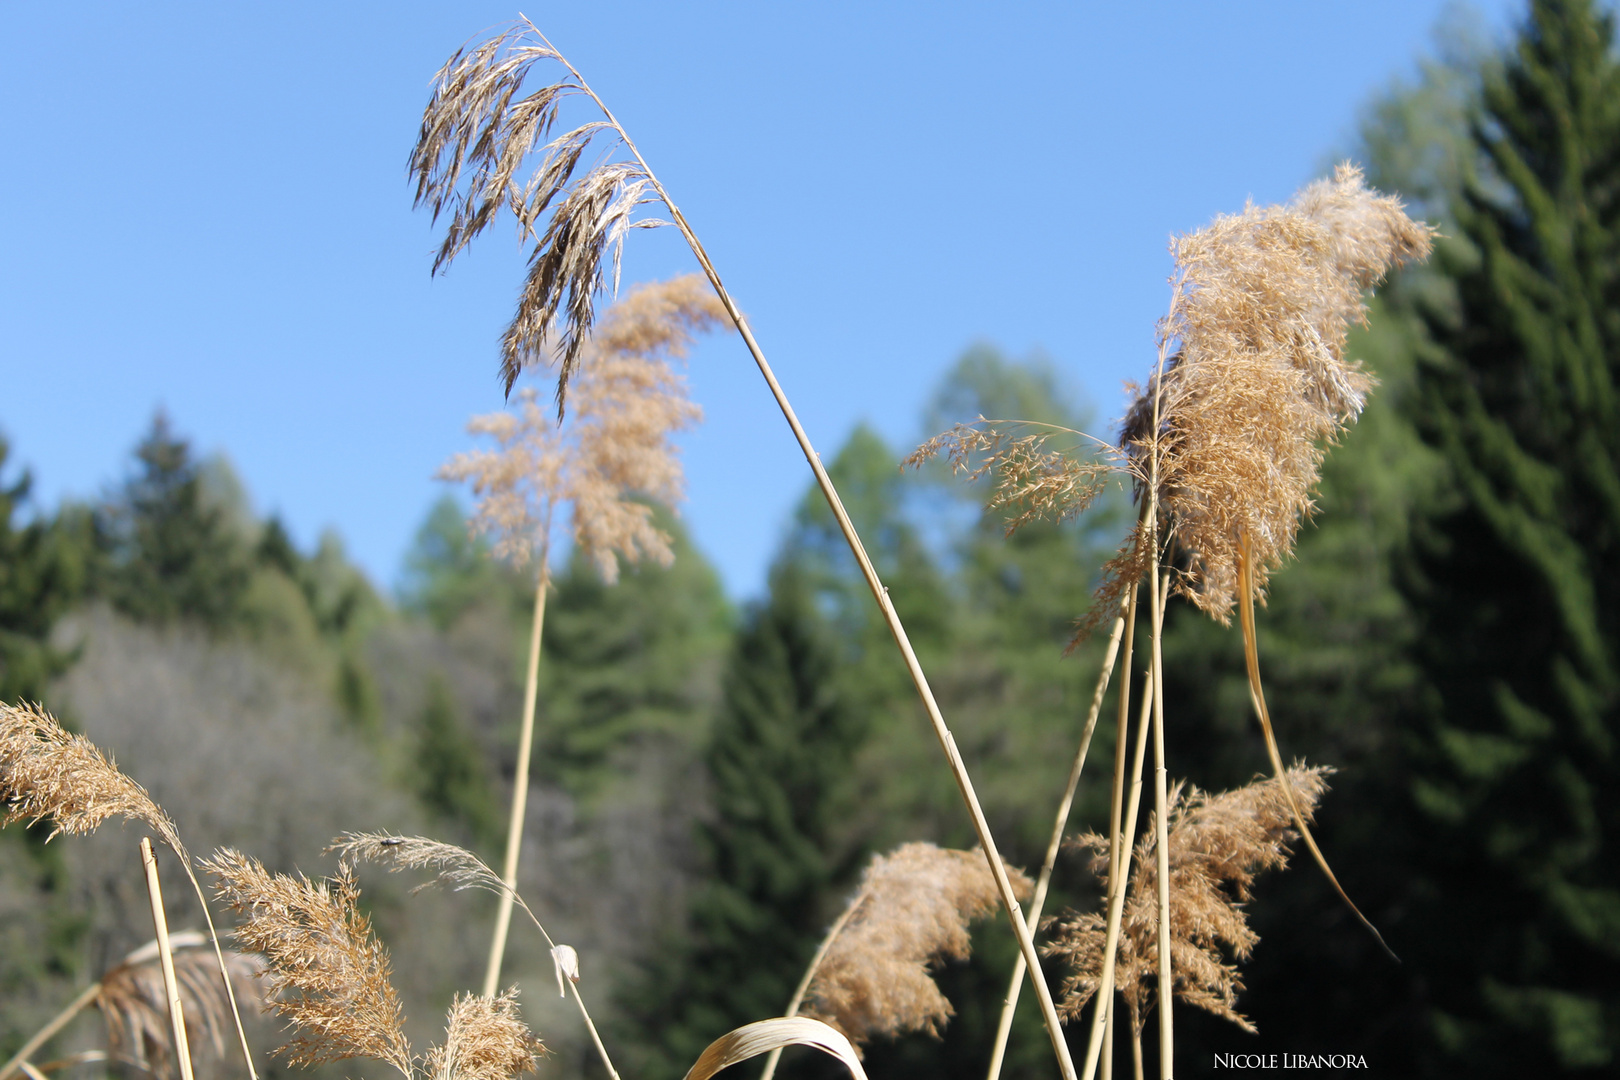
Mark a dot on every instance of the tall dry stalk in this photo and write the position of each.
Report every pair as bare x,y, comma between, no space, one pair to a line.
479,131
171,985
47,772
600,469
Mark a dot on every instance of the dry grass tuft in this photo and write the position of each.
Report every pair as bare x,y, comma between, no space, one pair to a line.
134,1005
478,132
484,1040
619,449
49,772
327,975
1218,844
1257,379
1032,482
914,906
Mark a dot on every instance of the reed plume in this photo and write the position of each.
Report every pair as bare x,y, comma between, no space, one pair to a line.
326,972
911,913
1257,379
484,1039
1218,844
136,1012
455,866
49,772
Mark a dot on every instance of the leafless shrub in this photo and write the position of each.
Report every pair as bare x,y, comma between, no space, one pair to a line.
911,912
1217,844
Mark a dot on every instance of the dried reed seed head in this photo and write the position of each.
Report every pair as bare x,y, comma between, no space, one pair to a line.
1218,844
619,448
478,134
327,975
1257,381
453,866
484,1040
1032,482
135,1008
911,912
49,772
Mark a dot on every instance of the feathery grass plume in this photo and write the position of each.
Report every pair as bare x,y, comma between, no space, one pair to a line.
1217,844
1032,482
49,772
326,973
136,1011
455,866
628,403
484,1039
477,135
913,910
1257,380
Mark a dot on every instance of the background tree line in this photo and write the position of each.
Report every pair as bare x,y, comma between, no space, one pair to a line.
710,781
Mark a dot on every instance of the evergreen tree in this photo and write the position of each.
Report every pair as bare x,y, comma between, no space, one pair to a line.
451,778
778,761
1516,767
43,569
175,554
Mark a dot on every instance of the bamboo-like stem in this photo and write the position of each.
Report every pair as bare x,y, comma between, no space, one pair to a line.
1161,802
1251,657
810,972
1116,807
1106,1072
1136,1050
942,732
1116,890
1060,823
171,987
520,782
44,1034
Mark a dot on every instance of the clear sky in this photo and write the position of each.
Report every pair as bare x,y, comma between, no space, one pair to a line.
206,209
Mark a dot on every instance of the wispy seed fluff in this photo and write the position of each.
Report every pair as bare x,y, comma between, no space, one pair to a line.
1256,380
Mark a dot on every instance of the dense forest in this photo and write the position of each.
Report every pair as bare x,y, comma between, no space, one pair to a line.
708,782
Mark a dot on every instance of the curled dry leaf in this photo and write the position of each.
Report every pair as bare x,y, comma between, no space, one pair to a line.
763,1036
911,912
566,961
1218,844
1257,379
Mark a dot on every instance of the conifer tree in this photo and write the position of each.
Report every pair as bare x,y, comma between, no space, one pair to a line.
43,566
1515,763
778,760
174,554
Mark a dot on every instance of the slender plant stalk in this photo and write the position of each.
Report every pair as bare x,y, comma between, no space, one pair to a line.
1116,890
1116,805
1161,802
520,784
44,1034
1107,1070
947,742
1060,823
1251,656
810,972
171,987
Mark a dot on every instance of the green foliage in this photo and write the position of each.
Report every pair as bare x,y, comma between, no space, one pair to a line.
448,571
778,763
451,776
1517,589
628,663
174,553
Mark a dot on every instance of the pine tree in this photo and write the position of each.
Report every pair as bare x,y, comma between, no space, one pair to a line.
451,778
43,569
175,554
778,760
1515,765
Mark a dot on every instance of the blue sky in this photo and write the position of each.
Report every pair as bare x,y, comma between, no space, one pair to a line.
207,210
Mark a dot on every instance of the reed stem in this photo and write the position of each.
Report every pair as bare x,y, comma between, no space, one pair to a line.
942,732
810,972
1116,884
171,986
1161,804
44,1034
1060,823
520,781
